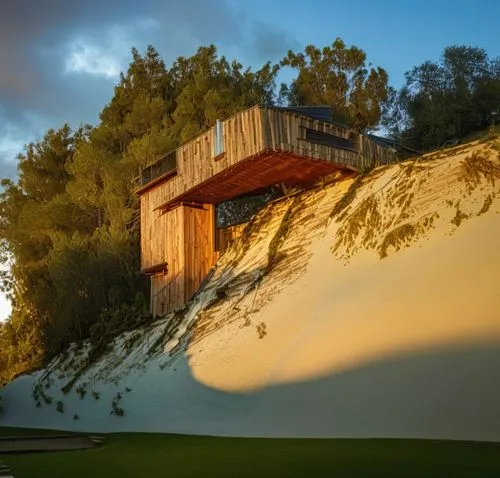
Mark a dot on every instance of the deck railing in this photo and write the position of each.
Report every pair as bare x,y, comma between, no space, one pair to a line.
164,165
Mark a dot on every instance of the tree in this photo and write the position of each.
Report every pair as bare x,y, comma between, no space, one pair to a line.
146,81
446,99
210,88
339,77
30,212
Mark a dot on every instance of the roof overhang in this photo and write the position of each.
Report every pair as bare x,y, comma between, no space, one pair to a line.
256,173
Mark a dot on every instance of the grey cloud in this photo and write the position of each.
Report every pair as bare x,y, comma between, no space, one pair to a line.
32,79
29,29
271,43
34,39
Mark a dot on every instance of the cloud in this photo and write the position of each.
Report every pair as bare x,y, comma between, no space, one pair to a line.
92,60
108,54
31,30
271,43
60,59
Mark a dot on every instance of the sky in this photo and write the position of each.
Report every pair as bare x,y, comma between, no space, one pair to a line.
60,59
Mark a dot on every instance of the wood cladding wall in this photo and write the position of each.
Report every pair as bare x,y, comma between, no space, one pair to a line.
242,138
167,245
199,246
184,237
286,132
187,244
224,236
195,163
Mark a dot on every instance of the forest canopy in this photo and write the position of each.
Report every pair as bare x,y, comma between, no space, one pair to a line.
446,99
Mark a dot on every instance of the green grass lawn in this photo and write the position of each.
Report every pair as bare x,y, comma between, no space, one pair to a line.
151,455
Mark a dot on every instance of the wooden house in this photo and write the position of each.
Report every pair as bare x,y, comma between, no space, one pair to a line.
250,151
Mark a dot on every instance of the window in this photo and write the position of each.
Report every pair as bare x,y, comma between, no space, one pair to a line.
165,165
326,139
218,138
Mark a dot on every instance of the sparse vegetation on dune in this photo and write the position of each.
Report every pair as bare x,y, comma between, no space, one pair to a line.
273,255
376,216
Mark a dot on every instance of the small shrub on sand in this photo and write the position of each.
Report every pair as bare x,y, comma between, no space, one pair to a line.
459,217
261,330
273,254
348,197
81,391
115,408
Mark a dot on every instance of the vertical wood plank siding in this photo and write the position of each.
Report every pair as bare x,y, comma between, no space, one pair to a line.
228,234
242,137
286,132
187,244
185,237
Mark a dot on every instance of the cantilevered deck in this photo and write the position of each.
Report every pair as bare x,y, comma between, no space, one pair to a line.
260,147
249,151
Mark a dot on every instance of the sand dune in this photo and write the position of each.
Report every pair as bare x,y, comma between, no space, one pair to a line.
368,307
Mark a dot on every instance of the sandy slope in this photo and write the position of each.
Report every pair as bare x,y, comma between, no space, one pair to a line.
381,318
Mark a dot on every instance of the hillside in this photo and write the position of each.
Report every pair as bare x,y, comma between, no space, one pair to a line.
367,307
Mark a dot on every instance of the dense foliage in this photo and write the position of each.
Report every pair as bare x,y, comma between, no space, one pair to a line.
337,76
446,100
